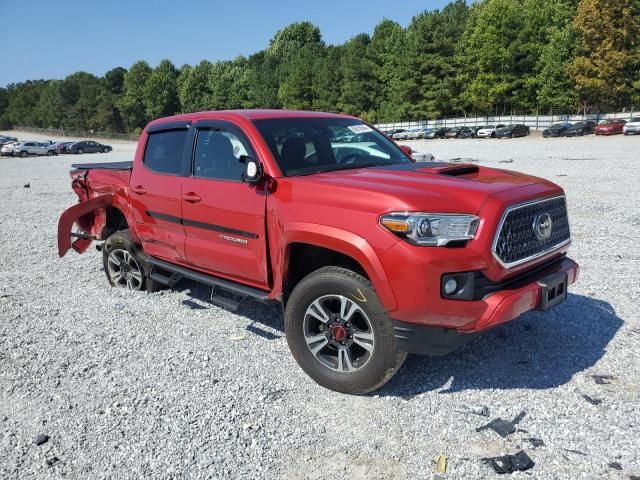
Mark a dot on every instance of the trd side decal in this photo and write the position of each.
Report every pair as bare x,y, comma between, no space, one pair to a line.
206,226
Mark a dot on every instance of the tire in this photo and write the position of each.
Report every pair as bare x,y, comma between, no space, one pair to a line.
50,153
119,247
24,154
345,366
105,150
79,151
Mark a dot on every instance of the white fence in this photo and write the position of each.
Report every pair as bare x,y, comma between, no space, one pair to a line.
535,122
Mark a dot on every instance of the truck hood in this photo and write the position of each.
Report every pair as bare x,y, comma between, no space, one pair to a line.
423,186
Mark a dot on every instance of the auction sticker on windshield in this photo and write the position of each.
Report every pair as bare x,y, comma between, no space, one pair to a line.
360,128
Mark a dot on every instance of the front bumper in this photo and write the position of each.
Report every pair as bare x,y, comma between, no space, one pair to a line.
631,130
515,298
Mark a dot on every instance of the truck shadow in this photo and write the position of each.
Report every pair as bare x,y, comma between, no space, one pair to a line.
537,351
266,320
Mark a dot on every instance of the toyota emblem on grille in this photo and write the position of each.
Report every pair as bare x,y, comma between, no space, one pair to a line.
542,226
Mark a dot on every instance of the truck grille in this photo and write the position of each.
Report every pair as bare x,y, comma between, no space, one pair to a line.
517,241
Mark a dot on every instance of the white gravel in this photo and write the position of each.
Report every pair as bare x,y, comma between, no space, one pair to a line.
132,385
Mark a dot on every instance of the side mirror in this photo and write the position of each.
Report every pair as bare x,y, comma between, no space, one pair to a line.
407,151
253,172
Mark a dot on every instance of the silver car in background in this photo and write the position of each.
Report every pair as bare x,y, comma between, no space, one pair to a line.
488,131
632,127
416,134
24,149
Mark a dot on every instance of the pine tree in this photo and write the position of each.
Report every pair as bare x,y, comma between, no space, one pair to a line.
603,71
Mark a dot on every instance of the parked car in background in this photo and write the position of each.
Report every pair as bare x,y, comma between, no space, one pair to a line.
557,130
632,127
488,131
460,132
392,132
89,146
6,137
24,149
415,134
397,133
512,131
51,148
59,146
8,149
428,132
581,128
442,131
610,127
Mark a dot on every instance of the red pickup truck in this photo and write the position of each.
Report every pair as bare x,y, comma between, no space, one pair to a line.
371,254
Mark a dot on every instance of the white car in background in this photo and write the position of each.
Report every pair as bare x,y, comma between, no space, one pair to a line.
7,149
632,127
489,131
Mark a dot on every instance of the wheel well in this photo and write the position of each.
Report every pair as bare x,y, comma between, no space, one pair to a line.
115,221
305,258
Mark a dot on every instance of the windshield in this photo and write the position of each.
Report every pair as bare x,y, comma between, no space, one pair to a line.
304,146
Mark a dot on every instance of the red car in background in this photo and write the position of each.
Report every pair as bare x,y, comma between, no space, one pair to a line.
610,127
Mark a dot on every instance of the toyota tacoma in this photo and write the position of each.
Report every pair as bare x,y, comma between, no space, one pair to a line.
371,254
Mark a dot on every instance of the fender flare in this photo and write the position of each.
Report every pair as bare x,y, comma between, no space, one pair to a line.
69,217
344,242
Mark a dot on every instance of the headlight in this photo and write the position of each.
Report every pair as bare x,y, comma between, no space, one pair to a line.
431,229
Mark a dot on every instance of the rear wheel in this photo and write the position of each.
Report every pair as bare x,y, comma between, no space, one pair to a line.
125,264
339,332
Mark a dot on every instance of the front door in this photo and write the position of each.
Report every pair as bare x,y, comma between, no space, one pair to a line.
223,217
155,194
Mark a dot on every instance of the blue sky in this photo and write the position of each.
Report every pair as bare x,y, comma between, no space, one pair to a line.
53,38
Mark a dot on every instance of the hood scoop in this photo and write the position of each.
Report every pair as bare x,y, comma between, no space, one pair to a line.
454,170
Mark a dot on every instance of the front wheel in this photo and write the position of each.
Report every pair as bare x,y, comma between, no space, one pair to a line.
339,332
124,263
24,154
105,150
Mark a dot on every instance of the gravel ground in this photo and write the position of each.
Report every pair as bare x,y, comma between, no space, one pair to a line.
131,385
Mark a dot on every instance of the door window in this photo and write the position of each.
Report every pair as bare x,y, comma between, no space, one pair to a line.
217,155
164,151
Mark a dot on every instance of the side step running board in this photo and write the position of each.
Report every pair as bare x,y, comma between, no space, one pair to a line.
227,285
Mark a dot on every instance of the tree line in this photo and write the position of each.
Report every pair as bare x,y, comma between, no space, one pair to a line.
493,56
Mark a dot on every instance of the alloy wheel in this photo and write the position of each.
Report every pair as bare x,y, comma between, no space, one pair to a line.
124,270
338,333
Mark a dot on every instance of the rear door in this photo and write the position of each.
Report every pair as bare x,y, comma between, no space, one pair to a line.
223,217
155,191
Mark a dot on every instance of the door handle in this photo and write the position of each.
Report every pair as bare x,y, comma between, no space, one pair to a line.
191,197
140,190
